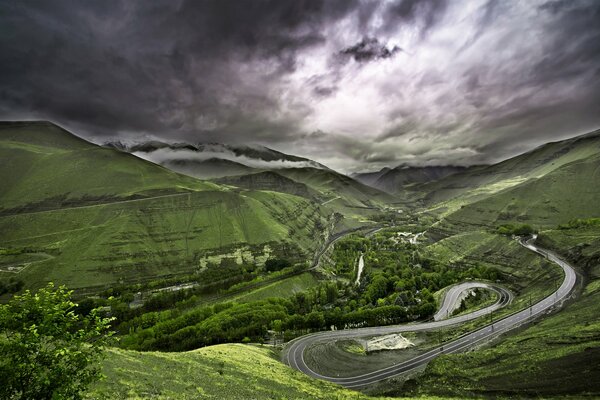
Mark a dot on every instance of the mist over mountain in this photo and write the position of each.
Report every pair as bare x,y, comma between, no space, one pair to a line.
212,160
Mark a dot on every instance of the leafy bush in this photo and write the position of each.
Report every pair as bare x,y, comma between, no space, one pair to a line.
519,230
580,222
276,264
48,351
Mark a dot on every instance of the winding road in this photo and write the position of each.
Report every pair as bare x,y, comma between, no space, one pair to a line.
454,296
293,353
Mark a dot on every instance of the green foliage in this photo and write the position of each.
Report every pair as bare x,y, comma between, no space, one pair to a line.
518,230
227,371
48,351
12,285
580,222
276,264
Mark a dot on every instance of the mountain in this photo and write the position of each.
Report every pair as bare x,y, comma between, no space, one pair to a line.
267,180
266,169
369,178
213,160
208,169
338,189
89,216
546,186
395,180
43,163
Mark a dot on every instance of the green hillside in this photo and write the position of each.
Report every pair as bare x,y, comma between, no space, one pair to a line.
88,216
45,167
558,196
230,371
208,169
340,192
476,183
556,356
269,180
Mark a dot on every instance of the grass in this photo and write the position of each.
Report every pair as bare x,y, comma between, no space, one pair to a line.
556,356
45,164
229,371
155,237
554,198
285,288
90,217
479,183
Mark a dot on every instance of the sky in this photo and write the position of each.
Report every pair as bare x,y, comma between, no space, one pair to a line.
355,85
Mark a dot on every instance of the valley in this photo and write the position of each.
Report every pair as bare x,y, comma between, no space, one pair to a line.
303,264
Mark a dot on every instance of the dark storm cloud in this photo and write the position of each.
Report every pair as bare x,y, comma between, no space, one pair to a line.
151,66
425,12
458,82
369,49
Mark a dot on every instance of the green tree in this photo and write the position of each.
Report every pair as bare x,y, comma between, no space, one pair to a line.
49,351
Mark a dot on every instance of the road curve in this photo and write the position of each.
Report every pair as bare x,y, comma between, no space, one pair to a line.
293,353
453,298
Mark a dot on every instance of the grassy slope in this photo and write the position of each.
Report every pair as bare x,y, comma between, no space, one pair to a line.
477,183
341,193
523,272
284,288
42,161
230,371
557,197
558,355
99,244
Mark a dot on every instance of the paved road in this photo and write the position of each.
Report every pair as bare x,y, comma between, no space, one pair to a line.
294,351
454,296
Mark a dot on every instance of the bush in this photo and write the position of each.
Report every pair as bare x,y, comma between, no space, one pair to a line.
276,264
48,350
519,230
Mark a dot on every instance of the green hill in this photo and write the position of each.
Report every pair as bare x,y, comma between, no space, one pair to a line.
268,180
44,166
476,183
556,357
558,196
340,192
398,179
208,169
229,371
88,216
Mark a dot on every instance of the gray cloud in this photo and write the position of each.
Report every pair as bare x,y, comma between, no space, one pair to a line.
369,49
475,81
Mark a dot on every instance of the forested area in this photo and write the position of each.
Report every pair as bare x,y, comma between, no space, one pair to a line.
397,286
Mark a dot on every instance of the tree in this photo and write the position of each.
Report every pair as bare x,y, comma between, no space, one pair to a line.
276,264
49,351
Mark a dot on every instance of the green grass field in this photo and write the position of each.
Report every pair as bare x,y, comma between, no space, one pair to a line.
229,371
285,288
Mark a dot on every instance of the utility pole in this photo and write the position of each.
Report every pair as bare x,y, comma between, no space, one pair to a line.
530,306
492,320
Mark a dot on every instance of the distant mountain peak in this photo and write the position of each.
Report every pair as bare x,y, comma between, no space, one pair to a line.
195,157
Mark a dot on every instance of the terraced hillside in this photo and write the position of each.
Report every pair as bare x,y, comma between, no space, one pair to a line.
88,216
477,183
